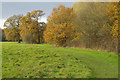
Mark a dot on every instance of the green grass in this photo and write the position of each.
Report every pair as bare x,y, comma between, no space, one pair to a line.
47,61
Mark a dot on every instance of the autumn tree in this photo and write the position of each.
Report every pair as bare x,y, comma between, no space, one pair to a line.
30,25
12,28
98,24
113,12
89,19
60,29
36,15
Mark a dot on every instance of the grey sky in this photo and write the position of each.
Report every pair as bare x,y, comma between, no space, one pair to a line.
11,8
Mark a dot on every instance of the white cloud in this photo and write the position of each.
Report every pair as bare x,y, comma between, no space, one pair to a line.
2,23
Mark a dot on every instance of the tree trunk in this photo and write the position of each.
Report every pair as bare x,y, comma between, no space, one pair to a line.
118,44
18,41
118,34
38,38
88,42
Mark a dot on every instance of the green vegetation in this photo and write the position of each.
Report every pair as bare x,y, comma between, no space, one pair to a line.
85,25
47,61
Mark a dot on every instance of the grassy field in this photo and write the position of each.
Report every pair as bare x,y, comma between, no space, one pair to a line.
47,61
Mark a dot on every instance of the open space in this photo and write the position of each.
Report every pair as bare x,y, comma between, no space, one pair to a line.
60,40
47,61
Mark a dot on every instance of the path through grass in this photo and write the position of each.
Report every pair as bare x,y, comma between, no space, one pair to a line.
43,60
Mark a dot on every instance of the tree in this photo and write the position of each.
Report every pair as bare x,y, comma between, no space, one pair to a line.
89,18
36,15
2,35
60,29
30,25
113,14
12,28
98,25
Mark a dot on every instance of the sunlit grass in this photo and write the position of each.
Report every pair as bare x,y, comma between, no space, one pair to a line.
46,61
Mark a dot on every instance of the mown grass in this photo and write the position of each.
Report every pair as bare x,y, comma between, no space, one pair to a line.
47,61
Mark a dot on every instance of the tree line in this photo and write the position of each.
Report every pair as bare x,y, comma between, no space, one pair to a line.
91,25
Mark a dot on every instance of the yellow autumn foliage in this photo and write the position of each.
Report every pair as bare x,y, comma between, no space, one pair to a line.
30,25
113,14
60,29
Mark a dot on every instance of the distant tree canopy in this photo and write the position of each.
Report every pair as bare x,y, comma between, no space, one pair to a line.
60,28
12,28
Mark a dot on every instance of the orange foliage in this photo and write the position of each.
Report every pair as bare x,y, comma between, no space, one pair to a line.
113,13
30,25
60,29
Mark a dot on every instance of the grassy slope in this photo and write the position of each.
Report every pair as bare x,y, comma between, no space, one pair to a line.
42,60
102,64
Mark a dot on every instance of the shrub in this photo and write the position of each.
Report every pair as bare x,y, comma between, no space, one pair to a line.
29,39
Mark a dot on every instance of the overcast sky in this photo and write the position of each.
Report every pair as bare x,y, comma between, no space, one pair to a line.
11,8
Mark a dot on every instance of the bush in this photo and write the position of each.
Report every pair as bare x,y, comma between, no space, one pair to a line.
29,39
